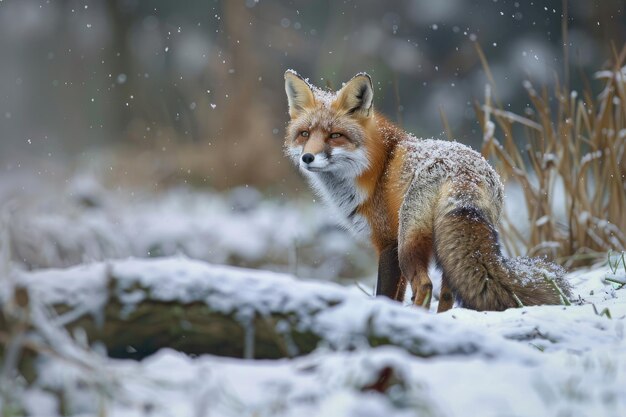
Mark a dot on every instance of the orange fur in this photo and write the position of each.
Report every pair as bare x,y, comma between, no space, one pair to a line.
382,181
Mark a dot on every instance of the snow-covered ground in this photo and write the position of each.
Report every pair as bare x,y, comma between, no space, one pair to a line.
532,361
83,222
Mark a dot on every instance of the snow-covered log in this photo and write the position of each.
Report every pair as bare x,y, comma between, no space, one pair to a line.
136,307
527,361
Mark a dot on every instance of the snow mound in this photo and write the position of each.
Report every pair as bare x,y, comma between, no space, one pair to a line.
531,361
87,223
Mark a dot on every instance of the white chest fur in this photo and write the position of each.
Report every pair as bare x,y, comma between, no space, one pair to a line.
343,196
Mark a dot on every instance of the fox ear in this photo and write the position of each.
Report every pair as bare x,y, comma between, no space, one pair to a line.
299,93
356,96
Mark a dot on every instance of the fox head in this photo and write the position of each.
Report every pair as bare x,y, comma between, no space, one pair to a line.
328,131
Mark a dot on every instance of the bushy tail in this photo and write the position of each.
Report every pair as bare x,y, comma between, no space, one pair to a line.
467,250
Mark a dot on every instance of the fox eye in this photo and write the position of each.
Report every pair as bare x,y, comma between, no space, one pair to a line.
304,134
335,135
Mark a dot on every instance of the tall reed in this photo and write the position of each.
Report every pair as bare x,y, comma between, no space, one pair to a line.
570,150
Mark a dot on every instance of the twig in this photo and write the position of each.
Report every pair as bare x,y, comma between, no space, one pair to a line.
564,300
518,301
446,125
363,289
605,311
615,281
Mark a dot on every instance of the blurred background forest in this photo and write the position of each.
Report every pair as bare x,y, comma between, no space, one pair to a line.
155,93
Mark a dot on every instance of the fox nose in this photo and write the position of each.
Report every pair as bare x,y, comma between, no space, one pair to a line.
307,158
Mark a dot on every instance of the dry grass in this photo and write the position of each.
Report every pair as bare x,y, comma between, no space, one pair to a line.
575,156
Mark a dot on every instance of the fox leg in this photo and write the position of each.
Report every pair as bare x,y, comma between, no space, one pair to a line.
390,283
446,298
414,255
415,236
422,288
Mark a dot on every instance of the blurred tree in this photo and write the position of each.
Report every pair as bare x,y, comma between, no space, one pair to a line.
159,74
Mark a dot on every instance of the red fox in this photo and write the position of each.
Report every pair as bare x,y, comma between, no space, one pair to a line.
414,199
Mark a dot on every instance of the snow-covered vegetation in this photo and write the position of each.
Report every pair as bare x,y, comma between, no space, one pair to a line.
373,357
570,150
295,346
83,222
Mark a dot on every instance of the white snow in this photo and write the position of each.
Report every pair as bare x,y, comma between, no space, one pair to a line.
546,360
342,316
533,361
240,228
